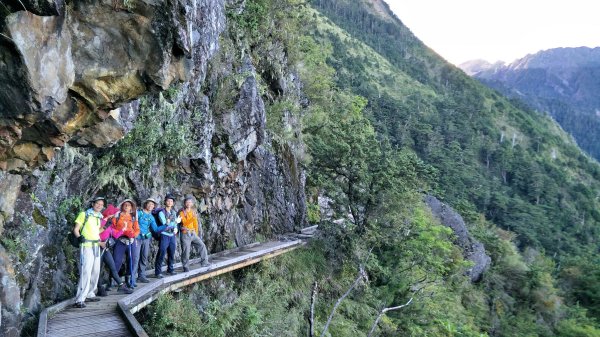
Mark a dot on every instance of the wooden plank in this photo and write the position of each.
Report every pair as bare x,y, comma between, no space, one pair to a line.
134,326
101,319
112,333
83,313
307,230
56,326
81,330
43,323
95,317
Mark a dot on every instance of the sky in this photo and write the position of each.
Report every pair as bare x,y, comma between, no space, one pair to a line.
493,30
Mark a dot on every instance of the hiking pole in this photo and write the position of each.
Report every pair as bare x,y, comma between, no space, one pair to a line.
131,281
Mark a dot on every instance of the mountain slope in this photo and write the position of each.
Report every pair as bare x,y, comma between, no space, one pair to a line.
507,163
562,82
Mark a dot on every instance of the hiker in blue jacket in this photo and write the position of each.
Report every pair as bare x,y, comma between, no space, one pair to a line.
168,239
143,240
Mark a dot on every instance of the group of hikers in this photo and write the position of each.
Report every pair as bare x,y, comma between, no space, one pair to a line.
110,237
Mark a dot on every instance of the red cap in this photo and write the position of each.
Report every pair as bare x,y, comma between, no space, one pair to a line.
110,210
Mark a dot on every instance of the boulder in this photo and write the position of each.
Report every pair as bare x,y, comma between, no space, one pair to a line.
473,250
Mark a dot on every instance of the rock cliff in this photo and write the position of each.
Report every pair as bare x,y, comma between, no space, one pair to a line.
76,78
473,250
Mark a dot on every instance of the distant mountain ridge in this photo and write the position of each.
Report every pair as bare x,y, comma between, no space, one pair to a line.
563,82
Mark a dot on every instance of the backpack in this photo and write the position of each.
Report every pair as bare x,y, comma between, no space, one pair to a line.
73,240
155,214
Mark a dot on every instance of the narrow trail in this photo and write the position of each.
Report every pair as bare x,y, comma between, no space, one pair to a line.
114,314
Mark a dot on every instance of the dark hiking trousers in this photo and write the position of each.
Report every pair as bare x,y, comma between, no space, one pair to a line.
121,252
141,251
168,244
109,262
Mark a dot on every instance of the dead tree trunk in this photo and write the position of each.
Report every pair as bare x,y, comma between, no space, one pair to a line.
311,319
361,275
383,311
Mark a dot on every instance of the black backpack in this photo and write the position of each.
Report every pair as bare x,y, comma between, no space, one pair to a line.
155,214
73,240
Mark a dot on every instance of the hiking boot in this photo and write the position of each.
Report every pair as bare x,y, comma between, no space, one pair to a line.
186,269
206,265
124,289
92,299
159,276
102,291
171,273
80,305
143,280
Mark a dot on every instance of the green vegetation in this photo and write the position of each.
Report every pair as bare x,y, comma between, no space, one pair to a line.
388,121
494,159
159,135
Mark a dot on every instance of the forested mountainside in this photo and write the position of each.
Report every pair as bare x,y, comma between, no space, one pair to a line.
436,196
562,82
388,121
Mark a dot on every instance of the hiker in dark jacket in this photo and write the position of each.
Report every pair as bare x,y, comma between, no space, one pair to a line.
143,241
168,242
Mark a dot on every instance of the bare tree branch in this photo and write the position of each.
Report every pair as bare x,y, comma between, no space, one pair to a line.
24,8
311,319
384,310
361,275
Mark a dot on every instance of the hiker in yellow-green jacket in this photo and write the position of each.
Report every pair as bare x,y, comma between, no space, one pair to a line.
87,230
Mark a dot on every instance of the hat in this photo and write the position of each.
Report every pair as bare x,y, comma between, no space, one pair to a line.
149,200
189,197
129,201
169,196
110,210
97,199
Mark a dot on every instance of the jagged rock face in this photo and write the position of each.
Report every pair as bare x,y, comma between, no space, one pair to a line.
62,75
66,102
473,250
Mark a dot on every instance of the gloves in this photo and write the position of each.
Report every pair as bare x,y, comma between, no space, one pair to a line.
81,239
178,220
175,230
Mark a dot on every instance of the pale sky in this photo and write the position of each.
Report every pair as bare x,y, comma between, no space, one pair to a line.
462,30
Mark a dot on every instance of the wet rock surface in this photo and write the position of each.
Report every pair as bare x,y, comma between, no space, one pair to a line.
473,250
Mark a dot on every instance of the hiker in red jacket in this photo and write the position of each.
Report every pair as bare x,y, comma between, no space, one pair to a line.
125,222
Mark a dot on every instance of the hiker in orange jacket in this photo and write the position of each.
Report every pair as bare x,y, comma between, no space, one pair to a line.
191,234
126,222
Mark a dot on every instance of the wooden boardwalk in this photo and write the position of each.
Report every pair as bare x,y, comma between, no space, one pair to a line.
113,315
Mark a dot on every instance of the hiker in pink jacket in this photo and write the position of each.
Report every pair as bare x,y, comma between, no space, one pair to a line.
108,235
